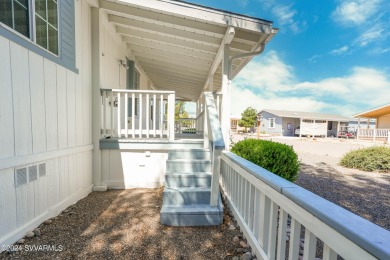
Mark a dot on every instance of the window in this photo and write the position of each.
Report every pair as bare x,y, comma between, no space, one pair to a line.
16,15
271,122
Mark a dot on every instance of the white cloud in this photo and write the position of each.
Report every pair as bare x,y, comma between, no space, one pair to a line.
355,12
340,51
373,34
269,72
243,3
285,16
269,82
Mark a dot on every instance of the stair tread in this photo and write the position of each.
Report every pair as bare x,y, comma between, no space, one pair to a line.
188,160
184,189
191,150
194,208
188,173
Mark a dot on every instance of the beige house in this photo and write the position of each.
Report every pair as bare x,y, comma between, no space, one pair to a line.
382,126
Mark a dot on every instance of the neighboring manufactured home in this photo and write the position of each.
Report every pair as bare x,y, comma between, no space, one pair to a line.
381,129
290,123
88,91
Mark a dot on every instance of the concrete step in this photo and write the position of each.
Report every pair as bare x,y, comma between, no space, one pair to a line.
186,196
196,179
191,215
188,166
196,154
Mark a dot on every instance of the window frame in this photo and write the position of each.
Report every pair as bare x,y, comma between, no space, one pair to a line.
32,39
273,120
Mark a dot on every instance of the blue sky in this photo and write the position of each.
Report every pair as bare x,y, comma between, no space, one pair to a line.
329,56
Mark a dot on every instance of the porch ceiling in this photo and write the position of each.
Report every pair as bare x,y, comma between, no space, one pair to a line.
179,44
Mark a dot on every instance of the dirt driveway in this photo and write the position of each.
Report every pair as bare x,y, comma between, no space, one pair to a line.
364,193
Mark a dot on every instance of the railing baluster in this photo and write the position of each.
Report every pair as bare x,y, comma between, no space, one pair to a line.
104,112
256,215
119,114
140,115
272,230
328,253
133,115
161,115
309,248
265,206
126,115
154,115
282,235
112,113
295,239
251,206
147,115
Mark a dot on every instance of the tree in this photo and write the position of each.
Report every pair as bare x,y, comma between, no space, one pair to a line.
249,118
180,110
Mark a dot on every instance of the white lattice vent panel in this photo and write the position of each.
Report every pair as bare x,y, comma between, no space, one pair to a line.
29,174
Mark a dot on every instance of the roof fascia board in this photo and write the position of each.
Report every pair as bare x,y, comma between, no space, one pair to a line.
202,13
371,110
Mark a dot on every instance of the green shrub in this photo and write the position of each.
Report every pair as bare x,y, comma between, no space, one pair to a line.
277,158
368,159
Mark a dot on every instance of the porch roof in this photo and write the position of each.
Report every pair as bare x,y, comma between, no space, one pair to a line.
374,113
179,44
307,115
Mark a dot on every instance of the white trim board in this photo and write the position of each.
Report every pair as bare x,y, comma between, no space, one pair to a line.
27,159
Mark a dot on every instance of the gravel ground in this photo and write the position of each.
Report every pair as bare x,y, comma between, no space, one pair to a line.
364,193
124,224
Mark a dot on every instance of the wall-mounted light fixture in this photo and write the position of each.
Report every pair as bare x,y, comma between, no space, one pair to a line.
123,63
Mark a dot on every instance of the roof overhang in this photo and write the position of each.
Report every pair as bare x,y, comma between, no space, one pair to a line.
308,115
374,113
179,44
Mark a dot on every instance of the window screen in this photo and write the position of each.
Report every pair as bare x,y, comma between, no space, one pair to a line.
46,22
15,14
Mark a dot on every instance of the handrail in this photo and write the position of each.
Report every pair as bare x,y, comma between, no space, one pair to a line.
215,137
137,91
213,122
262,201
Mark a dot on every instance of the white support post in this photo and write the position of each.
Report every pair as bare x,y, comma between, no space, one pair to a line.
171,117
374,138
300,126
338,128
96,100
358,130
225,112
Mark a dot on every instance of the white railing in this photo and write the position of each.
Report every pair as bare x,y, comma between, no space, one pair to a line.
282,220
363,133
213,139
189,125
138,113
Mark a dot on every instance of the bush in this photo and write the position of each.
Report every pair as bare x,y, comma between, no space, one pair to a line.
368,159
277,158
